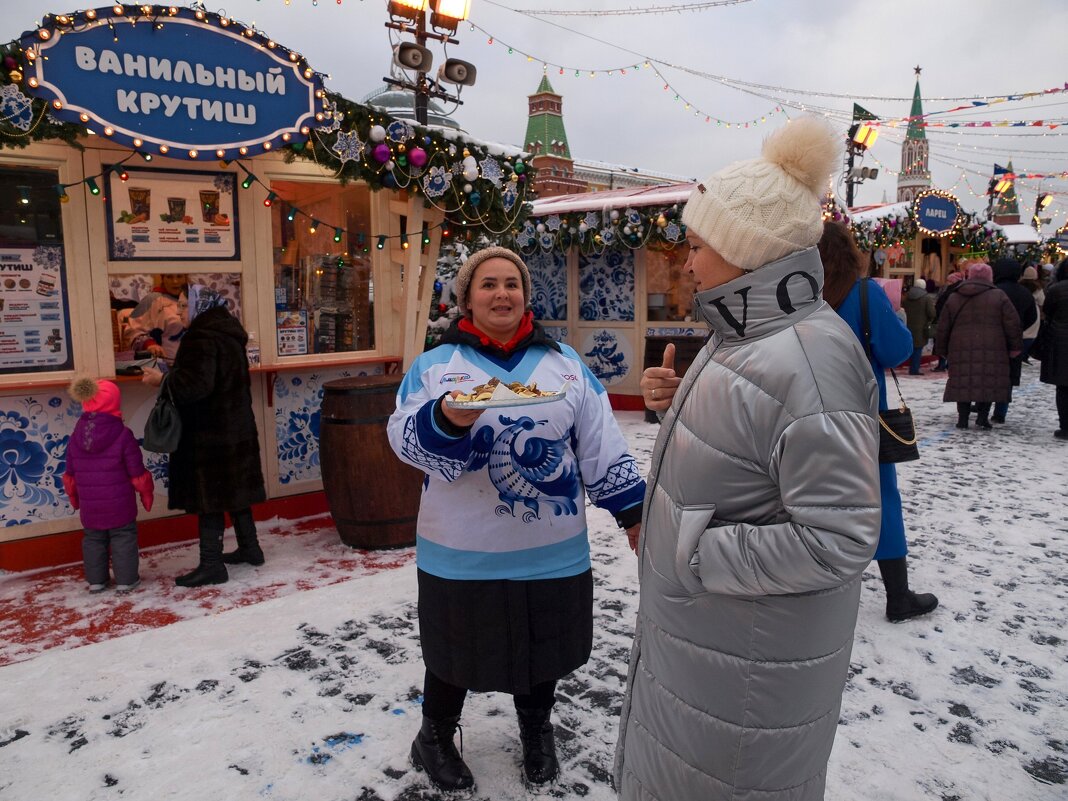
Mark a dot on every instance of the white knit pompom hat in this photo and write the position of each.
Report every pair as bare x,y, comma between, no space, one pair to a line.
754,212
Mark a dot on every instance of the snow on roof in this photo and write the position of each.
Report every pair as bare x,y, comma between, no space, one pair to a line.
662,194
1020,234
878,212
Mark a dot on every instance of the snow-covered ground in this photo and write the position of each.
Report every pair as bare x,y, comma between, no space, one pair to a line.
314,693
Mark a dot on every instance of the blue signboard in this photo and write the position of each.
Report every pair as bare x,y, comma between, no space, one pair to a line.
936,213
183,82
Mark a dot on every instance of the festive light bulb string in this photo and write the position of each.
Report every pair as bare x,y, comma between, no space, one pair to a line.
751,84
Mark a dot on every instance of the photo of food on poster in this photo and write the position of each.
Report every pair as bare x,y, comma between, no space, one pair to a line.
34,324
162,214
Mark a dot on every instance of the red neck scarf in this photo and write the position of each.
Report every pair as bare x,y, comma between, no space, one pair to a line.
526,325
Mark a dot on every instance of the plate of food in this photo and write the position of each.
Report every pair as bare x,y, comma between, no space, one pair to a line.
495,394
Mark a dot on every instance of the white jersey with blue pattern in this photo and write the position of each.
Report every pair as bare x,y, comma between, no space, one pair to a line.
507,499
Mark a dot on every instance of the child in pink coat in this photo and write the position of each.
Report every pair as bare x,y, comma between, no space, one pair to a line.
104,471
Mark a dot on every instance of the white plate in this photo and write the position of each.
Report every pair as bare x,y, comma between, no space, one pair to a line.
503,403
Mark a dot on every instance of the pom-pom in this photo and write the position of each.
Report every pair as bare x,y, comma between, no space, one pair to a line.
83,389
806,149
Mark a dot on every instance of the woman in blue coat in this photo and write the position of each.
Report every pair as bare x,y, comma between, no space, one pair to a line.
891,344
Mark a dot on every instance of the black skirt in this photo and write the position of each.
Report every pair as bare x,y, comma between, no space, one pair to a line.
505,636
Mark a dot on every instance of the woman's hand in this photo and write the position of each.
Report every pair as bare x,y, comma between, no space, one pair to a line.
461,418
155,350
633,533
151,376
659,384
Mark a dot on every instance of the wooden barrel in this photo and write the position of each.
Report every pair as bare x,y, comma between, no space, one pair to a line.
373,495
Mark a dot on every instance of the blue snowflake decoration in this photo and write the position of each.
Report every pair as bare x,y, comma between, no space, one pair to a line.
436,182
457,168
608,236
124,249
348,146
331,117
552,222
491,171
546,241
50,258
526,236
633,217
591,219
400,131
224,183
509,196
672,232
15,107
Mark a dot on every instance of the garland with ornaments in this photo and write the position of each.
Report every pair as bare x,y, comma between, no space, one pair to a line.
594,232
473,185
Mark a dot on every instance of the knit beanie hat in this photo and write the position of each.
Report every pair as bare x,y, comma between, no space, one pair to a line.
96,396
1030,273
919,283
754,212
978,271
462,282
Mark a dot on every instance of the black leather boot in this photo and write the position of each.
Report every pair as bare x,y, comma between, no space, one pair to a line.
982,416
248,545
901,602
211,569
964,410
539,747
434,751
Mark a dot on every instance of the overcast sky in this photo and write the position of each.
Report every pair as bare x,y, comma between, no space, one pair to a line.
861,51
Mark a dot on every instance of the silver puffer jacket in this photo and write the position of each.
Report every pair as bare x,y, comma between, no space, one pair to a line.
761,512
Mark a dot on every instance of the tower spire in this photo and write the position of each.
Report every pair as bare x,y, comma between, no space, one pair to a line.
915,174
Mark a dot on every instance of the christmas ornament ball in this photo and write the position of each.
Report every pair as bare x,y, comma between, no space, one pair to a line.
381,153
417,156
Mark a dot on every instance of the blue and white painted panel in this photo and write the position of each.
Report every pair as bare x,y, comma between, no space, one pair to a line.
606,287
608,353
34,432
548,284
298,401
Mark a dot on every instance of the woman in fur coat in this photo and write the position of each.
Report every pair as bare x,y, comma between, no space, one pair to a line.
216,468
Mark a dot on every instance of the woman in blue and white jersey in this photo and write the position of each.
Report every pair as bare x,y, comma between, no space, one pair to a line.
505,585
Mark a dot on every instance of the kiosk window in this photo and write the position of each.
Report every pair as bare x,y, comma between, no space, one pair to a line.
670,288
34,309
323,288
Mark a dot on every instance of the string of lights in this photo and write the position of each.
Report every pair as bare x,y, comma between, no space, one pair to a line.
628,12
562,69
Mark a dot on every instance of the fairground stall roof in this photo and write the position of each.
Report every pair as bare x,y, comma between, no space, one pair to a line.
196,85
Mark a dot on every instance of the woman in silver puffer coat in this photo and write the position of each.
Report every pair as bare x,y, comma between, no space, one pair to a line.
762,508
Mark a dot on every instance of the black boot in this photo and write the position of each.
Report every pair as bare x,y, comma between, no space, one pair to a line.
248,546
433,750
211,569
901,602
963,412
982,416
539,748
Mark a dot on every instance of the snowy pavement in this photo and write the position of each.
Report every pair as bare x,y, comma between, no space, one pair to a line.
297,681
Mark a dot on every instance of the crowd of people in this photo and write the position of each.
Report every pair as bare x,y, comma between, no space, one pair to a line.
767,496
982,326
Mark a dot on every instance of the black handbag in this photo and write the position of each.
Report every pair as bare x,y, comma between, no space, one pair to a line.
163,429
897,429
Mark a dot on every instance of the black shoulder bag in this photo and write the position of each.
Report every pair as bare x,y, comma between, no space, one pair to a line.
163,429
897,429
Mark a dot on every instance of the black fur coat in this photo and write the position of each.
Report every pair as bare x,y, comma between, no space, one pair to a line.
217,465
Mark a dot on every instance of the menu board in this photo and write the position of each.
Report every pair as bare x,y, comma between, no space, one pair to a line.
34,324
292,328
158,214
